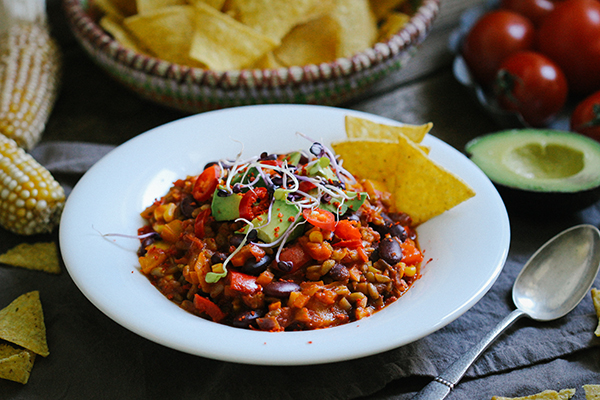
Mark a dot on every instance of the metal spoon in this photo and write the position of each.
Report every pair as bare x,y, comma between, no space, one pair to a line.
551,284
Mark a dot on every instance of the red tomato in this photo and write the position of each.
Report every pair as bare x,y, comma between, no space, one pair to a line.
206,183
585,119
201,219
570,36
320,218
496,35
347,230
535,10
532,85
254,203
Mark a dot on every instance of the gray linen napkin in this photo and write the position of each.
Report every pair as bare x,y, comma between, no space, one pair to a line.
140,369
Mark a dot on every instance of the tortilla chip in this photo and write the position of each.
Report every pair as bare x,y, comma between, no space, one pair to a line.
276,18
222,43
15,364
41,256
564,394
358,26
596,299
166,32
314,42
592,392
216,4
22,323
392,24
383,8
361,128
368,159
112,26
421,188
268,61
118,9
146,6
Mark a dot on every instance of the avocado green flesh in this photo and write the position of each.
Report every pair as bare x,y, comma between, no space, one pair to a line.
538,160
226,208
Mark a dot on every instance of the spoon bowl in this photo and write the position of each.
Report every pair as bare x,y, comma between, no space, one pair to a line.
559,274
553,282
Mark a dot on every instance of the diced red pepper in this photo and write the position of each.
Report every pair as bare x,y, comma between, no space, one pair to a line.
296,255
350,243
201,219
206,183
320,218
410,253
253,203
347,230
305,186
243,283
209,308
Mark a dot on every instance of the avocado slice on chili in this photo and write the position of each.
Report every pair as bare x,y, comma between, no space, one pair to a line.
540,170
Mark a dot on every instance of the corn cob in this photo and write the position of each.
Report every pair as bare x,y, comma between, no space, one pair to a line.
29,72
31,201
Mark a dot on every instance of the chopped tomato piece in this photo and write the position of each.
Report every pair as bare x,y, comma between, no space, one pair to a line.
206,183
410,253
318,251
201,219
296,255
209,308
253,203
305,186
243,283
320,218
346,229
350,243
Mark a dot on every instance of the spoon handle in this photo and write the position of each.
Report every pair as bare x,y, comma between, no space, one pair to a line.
441,385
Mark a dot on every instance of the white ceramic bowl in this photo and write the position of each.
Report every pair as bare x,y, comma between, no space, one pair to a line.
459,270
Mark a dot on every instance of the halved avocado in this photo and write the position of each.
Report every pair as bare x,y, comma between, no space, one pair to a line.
540,170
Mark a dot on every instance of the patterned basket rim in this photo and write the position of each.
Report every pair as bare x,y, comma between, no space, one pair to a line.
412,34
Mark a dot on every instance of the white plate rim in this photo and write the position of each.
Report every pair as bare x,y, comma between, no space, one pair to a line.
105,269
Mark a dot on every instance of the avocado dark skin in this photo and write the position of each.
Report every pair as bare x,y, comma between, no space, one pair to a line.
545,204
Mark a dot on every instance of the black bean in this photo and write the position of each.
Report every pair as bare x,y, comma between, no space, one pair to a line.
266,156
401,218
284,266
246,319
187,206
147,241
223,193
252,235
277,181
280,289
236,188
339,273
236,239
253,267
218,258
390,250
398,231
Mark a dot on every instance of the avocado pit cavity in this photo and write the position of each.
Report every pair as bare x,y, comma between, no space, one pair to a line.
545,161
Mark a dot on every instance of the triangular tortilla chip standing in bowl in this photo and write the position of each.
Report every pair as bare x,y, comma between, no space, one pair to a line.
394,156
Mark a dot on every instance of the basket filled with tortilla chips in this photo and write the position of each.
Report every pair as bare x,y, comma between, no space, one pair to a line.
199,55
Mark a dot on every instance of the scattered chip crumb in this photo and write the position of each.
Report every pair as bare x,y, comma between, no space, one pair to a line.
22,323
596,298
592,392
40,256
564,394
